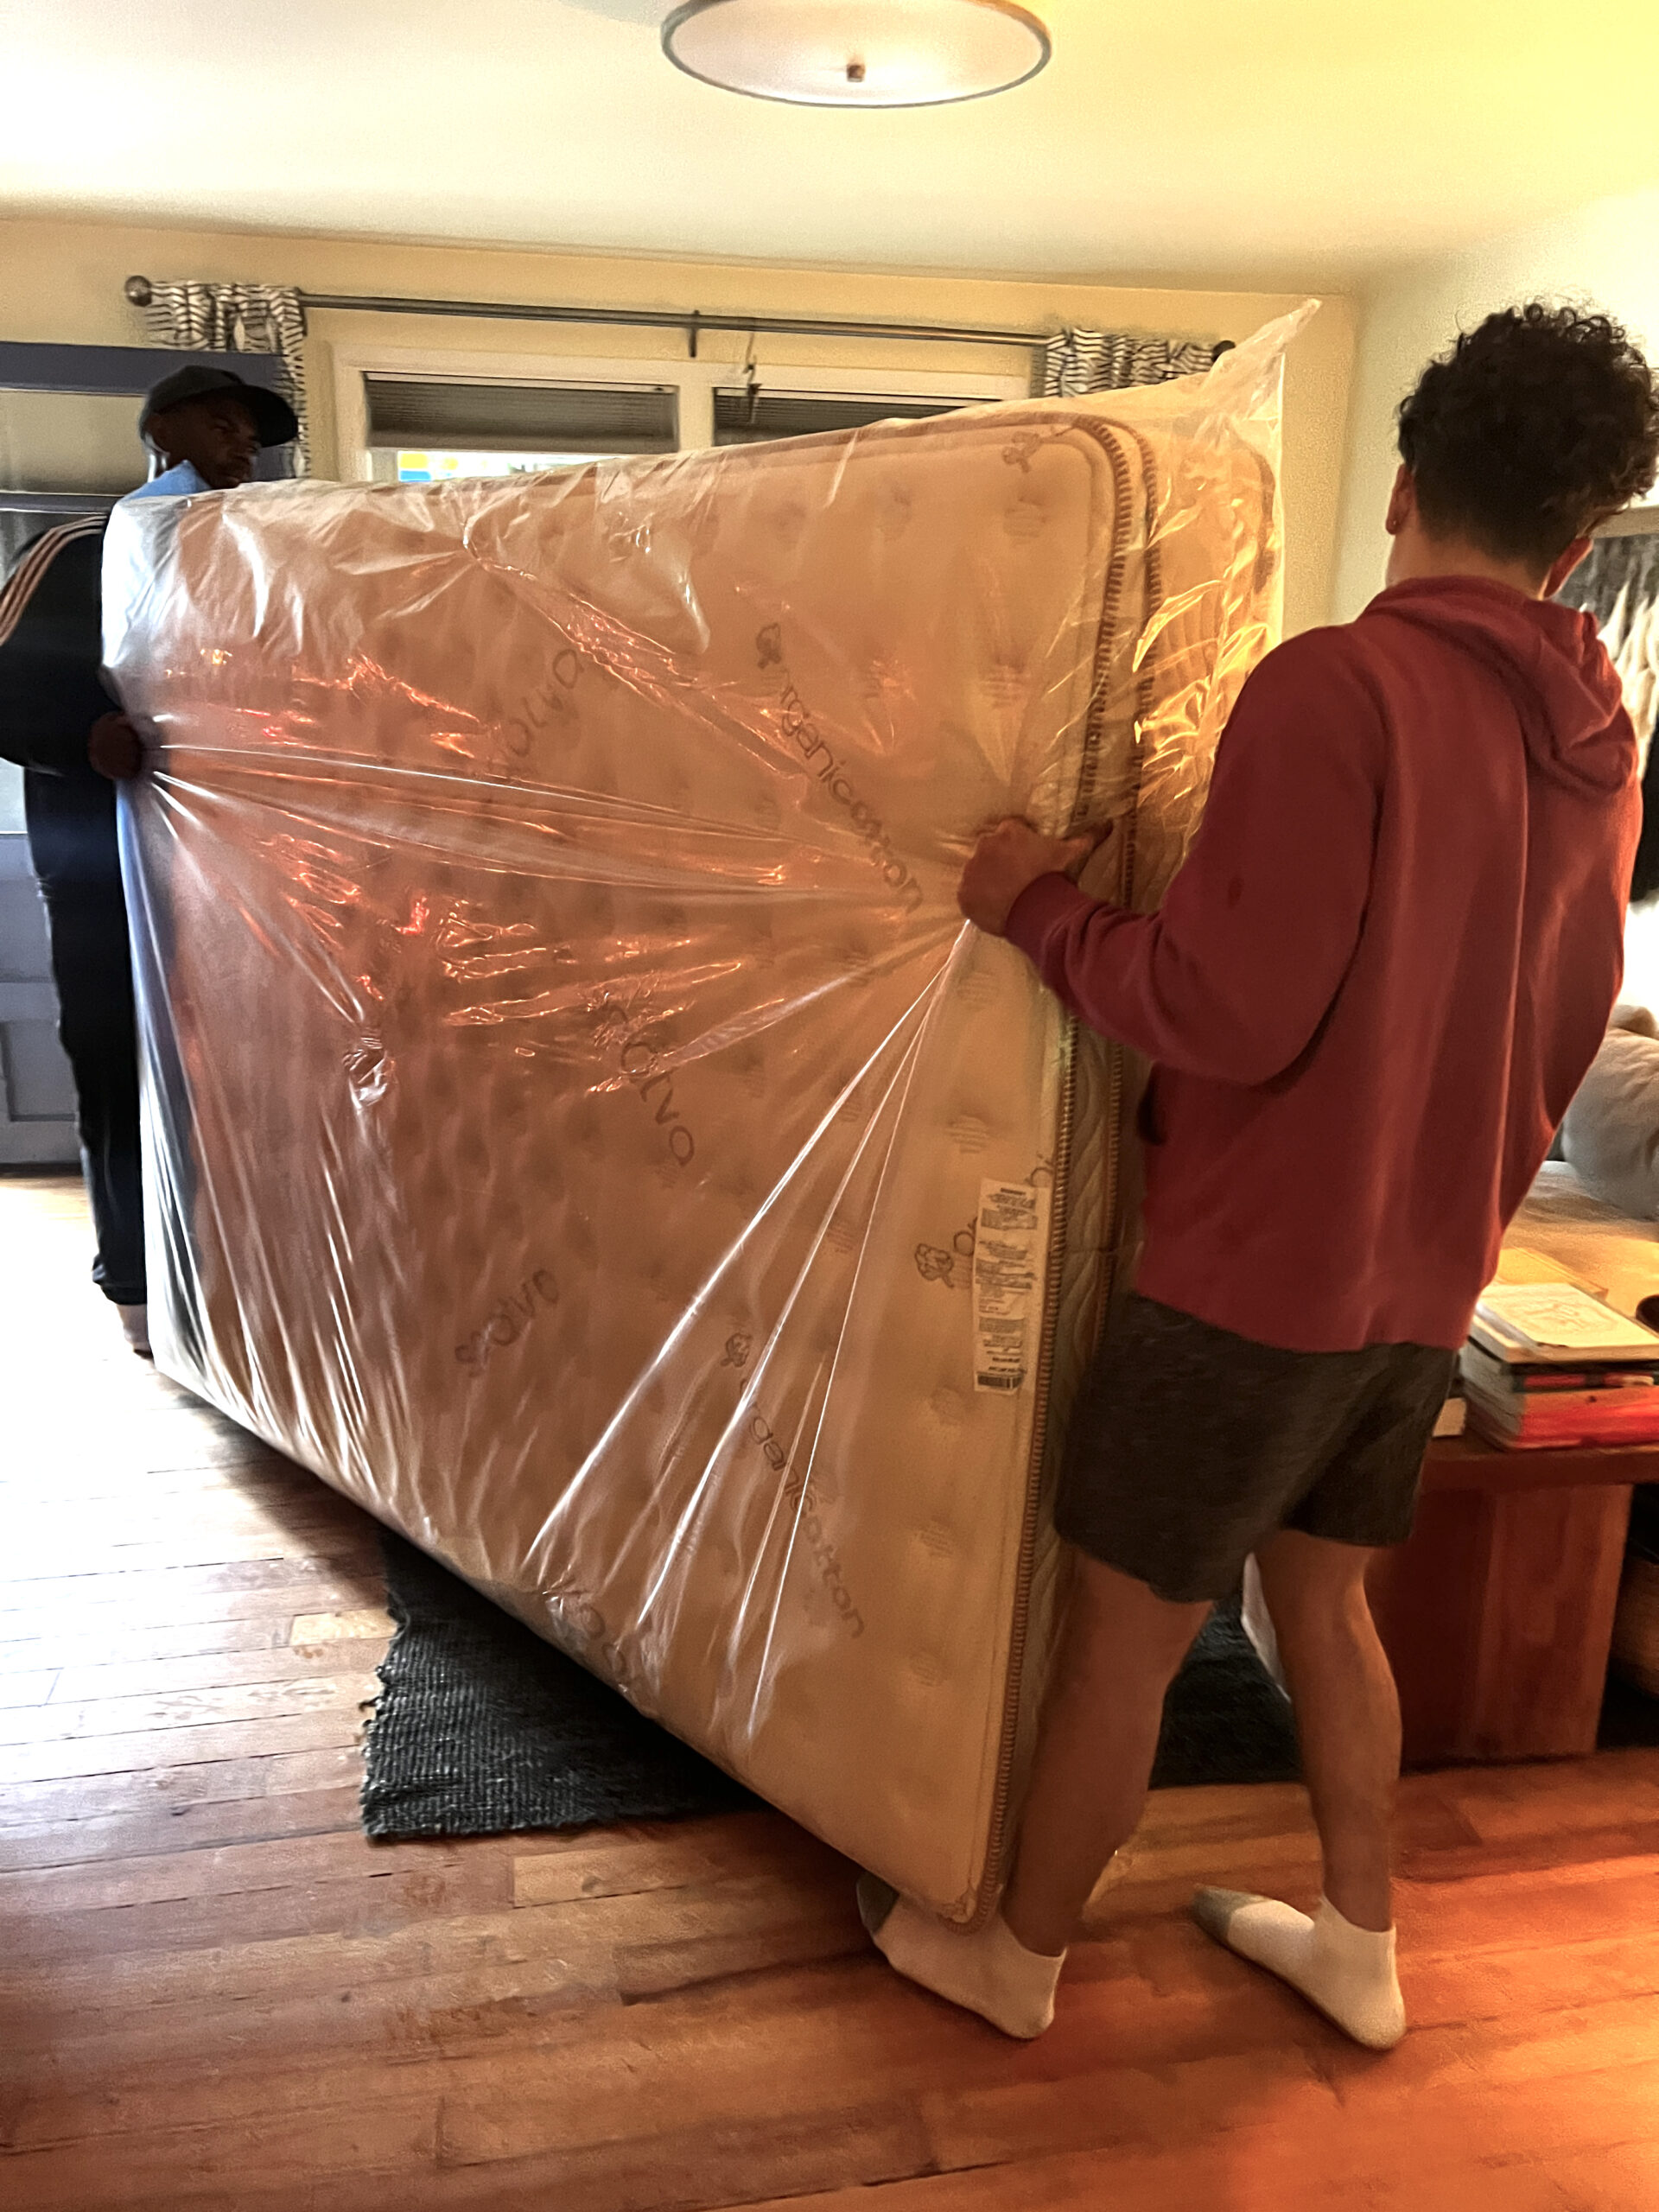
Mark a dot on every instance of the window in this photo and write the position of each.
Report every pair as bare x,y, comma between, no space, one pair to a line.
421,428
402,465
491,414
751,414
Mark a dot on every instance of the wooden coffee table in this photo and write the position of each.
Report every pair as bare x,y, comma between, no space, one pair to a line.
1497,1615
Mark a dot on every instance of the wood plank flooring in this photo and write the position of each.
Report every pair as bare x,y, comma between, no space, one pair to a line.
215,1994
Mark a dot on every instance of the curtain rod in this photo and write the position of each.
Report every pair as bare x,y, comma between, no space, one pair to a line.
692,321
1631,522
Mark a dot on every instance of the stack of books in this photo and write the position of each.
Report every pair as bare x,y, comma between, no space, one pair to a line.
1547,1364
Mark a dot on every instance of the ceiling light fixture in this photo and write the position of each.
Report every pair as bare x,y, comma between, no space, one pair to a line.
862,54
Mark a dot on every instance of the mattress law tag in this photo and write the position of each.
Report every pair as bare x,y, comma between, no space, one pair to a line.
1010,1258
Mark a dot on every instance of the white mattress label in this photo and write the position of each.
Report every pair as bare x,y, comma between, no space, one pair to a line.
1010,1260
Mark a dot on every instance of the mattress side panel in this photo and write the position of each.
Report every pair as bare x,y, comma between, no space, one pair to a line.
1195,608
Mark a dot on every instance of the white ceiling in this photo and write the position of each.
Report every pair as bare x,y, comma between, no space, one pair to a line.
1301,141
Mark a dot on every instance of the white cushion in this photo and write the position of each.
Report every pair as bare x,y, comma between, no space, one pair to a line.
1611,1135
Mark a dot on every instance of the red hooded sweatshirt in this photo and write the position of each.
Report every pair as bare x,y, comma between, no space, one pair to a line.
1382,972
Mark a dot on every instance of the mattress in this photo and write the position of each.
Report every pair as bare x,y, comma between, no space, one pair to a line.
579,1125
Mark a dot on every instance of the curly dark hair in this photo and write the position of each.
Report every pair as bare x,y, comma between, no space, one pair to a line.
1535,427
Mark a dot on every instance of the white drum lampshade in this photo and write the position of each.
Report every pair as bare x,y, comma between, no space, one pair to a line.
860,52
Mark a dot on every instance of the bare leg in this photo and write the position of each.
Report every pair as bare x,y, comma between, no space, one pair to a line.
1342,1958
1347,1713
1121,1650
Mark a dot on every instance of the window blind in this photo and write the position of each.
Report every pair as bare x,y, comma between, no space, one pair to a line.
523,417
749,418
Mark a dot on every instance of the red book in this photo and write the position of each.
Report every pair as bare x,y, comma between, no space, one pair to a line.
1527,1420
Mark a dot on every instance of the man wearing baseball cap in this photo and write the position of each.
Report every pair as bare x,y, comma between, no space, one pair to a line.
203,426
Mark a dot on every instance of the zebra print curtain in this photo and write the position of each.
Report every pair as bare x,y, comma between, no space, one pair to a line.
1079,361
1618,583
238,319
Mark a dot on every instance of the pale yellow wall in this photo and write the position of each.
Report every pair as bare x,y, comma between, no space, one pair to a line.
62,280
1607,253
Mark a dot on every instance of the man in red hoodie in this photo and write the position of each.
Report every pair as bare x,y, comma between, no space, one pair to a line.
1368,998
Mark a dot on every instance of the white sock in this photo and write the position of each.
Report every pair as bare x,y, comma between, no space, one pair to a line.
989,1972
1347,1972
135,1326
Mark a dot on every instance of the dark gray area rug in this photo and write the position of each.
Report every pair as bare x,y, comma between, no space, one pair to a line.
482,1729
1225,1718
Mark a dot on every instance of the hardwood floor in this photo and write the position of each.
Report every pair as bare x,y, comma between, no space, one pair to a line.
217,1993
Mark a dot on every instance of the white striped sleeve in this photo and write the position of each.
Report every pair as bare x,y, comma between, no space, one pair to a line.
24,581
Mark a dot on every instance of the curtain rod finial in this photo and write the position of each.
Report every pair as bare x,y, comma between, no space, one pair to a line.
138,290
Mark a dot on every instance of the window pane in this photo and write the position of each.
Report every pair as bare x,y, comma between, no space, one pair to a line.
428,466
414,413
743,417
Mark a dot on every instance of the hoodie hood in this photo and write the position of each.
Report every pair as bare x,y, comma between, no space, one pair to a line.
1551,660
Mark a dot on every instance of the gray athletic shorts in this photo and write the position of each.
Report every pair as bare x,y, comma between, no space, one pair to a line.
1191,1446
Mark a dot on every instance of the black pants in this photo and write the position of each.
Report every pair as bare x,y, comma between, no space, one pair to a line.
73,842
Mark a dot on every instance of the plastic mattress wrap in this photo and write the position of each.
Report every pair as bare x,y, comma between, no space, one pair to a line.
579,1125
